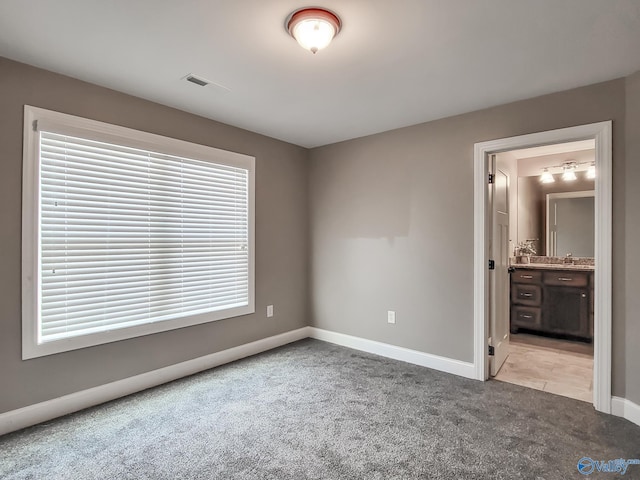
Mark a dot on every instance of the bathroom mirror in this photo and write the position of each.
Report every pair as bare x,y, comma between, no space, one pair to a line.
570,225
528,195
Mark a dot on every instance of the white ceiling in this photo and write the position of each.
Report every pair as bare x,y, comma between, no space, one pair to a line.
395,63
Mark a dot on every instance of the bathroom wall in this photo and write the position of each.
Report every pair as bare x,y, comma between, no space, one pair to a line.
530,205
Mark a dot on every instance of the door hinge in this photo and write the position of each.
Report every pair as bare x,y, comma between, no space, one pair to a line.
492,178
492,351
492,264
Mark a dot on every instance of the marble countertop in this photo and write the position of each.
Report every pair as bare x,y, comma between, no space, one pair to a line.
554,266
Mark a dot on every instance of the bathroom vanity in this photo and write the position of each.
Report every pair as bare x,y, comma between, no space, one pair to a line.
553,299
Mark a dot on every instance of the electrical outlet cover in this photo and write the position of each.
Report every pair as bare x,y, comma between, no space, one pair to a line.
391,316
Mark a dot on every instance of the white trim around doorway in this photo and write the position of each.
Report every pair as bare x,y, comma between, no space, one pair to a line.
601,132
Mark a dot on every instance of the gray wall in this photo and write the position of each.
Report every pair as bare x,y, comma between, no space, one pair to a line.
392,223
281,239
581,184
632,251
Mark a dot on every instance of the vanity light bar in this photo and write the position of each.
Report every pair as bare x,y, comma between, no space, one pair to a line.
568,172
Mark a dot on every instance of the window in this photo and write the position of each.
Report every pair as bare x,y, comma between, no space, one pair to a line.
126,233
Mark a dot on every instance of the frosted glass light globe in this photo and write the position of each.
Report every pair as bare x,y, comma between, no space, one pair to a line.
569,175
313,35
313,28
547,177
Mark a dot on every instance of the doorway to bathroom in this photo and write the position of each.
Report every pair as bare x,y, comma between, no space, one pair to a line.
537,332
547,194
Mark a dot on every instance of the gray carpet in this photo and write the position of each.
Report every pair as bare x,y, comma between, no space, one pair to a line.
312,410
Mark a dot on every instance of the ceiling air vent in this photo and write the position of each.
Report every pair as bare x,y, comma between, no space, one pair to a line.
197,80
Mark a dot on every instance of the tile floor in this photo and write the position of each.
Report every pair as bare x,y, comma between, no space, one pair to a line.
555,366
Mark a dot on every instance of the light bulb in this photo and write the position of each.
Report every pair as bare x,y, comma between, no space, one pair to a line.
591,173
546,177
569,174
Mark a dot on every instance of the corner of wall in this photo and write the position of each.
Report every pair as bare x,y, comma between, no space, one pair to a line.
631,231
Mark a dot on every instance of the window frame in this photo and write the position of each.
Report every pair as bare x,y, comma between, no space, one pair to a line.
36,119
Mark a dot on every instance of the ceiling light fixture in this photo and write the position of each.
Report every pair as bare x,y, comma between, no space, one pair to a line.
546,176
591,172
569,174
313,28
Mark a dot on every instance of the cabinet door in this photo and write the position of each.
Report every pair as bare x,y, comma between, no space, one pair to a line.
566,310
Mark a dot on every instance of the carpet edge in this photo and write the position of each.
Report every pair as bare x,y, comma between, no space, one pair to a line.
41,412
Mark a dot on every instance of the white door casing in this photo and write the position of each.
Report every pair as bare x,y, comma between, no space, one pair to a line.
602,134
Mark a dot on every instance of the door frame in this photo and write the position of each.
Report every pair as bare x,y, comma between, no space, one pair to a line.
602,134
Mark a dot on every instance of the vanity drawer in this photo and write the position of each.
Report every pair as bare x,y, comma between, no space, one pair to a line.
566,279
526,276
522,294
525,317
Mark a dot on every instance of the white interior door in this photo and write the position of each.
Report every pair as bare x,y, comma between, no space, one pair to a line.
500,276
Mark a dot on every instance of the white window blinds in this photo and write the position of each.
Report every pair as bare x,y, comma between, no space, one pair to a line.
130,237
127,233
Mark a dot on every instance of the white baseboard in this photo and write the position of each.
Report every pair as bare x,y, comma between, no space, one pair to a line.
41,412
456,367
621,407
57,407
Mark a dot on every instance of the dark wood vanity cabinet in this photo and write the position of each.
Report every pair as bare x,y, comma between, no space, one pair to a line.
557,302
